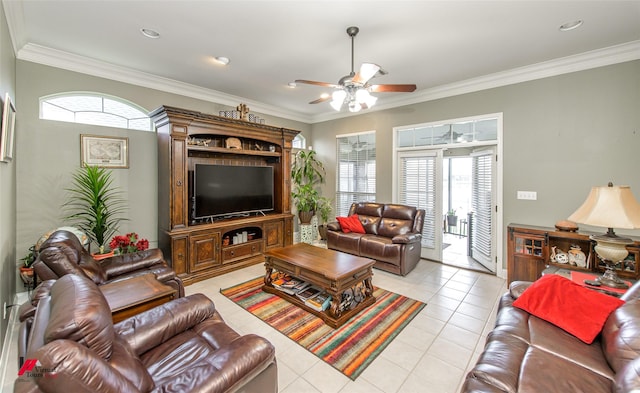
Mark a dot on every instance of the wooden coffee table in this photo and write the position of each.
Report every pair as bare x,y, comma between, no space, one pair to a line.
131,296
333,271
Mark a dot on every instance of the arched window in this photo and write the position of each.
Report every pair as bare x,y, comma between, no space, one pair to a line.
94,108
299,142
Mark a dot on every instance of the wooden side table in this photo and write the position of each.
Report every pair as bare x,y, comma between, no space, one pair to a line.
579,276
134,295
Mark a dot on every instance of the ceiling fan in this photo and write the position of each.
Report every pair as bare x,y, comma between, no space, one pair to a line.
353,89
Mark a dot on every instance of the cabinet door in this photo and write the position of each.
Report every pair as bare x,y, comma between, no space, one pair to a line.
179,254
204,251
527,257
178,184
288,231
273,233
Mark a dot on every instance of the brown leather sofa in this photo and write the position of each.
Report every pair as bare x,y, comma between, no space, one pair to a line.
181,346
526,354
62,253
392,238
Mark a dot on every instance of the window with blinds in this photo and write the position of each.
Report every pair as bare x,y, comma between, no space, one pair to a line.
482,202
355,170
417,188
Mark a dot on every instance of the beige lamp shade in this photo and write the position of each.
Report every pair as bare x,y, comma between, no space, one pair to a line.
609,207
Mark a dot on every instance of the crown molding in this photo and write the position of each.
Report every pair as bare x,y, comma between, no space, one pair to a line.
69,61
584,61
597,58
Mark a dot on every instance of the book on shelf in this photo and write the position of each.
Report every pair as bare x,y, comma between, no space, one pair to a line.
308,293
319,302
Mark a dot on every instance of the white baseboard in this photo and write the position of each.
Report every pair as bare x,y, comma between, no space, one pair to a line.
9,358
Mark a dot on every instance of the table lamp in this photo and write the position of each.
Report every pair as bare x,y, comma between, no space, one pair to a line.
610,207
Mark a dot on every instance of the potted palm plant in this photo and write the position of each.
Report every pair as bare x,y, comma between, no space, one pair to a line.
95,205
324,210
307,173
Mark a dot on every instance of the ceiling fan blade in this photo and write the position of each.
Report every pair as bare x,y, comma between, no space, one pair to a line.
391,88
325,84
321,99
367,71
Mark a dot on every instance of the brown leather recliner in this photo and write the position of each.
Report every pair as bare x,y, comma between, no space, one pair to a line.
62,253
181,346
392,238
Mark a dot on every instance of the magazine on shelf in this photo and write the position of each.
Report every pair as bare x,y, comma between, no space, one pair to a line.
319,302
308,293
289,284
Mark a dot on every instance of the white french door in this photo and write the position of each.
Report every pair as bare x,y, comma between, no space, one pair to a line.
483,202
420,185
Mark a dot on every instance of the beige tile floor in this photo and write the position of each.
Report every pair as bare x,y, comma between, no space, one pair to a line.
431,355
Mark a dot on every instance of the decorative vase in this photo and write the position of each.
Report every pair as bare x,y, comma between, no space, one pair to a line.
99,257
305,217
26,275
322,230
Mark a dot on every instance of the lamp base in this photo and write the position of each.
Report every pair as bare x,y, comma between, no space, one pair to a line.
611,279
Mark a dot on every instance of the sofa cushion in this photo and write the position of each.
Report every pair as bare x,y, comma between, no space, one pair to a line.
621,335
381,249
350,224
369,214
396,220
578,310
345,242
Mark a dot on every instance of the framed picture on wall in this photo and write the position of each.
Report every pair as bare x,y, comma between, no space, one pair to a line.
8,129
102,151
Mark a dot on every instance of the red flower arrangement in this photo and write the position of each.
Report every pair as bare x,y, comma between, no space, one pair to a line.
125,244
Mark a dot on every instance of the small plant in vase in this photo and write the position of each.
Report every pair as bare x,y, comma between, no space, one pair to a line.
452,219
26,270
129,243
324,210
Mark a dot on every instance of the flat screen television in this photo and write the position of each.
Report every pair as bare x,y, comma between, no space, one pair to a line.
227,190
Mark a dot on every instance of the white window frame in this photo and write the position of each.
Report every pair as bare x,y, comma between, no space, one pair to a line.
352,191
140,123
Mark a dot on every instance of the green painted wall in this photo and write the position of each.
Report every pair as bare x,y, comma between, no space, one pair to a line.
562,135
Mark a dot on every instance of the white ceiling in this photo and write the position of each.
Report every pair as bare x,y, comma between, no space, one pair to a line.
443,47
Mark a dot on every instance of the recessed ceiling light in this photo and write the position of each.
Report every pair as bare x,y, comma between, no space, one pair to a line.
571,25
221,60
150,33
292,85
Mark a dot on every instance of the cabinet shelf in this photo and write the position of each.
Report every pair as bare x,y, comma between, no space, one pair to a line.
224,150
530,250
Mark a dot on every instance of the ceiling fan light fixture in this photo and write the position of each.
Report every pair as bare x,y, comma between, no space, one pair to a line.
338,97
363,97
354,106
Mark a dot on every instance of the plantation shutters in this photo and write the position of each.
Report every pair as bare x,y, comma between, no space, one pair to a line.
482,202
355,170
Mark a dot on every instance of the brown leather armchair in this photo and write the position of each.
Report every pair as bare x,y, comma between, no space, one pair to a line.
392,238
62,253
181,346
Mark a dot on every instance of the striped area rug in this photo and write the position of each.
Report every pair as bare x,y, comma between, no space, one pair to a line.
350,348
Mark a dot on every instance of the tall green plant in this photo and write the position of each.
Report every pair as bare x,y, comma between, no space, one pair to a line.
307,173
94,205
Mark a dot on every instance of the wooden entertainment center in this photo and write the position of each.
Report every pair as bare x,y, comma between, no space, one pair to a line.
200,249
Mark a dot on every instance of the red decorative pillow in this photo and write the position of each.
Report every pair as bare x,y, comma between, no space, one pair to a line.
573,308
351,224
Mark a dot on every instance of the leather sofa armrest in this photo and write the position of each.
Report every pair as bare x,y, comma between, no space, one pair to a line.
239,361
517,287
334,226
28,309
155,326
126,263
407,238
78,369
